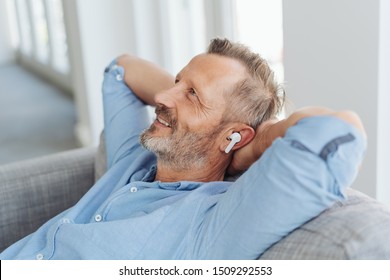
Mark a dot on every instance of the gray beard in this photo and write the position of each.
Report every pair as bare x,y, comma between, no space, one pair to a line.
180,151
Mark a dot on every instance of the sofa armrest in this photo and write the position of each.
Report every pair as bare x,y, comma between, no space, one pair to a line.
33,191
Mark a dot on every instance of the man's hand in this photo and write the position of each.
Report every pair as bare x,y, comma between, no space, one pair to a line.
247,155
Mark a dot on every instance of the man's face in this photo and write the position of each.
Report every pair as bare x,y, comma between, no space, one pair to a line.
188,116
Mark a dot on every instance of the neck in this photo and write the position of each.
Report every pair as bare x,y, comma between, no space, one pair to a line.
213,170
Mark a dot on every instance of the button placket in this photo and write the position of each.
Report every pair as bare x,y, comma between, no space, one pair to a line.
65,221
107,205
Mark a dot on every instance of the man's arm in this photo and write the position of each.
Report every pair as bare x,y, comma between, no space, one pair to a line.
145,78
129,83
268,131
296,178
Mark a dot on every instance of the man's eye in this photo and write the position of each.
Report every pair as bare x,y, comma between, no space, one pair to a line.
192,92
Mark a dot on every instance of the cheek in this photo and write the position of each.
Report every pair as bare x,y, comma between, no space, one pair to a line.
187,120
195,121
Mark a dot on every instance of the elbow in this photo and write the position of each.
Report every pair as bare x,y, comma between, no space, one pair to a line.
308,112
125,59
348,116
352,118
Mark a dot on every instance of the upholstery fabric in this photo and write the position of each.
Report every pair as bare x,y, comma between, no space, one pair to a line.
358,228
35,190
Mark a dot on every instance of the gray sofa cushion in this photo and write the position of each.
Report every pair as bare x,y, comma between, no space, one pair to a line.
358,228
33,191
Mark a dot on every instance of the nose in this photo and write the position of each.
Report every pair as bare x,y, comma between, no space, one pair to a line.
168,98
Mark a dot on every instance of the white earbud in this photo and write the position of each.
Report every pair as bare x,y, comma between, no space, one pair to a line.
234,139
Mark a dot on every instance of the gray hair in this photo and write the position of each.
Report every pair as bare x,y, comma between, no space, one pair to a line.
255,99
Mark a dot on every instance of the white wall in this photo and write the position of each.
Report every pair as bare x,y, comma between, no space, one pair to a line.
331,59
6,51
384,104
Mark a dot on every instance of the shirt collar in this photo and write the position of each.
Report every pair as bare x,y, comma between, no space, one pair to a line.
150,175
180,185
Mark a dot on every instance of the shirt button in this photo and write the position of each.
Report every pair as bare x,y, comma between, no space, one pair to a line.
98,218
119,77
39,257
65,221
133,189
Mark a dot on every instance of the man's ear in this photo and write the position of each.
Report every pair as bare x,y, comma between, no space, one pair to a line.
246,132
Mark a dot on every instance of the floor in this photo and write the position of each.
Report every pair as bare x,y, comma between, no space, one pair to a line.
36,118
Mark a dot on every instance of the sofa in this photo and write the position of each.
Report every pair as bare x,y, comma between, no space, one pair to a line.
33,191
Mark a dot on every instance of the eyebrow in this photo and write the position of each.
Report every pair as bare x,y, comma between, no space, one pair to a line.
178,75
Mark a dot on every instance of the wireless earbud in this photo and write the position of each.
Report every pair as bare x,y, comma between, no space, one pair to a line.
234,139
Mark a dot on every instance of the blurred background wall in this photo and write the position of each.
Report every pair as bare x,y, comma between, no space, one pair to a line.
52,54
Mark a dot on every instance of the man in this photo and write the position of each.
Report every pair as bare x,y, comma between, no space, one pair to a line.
170,200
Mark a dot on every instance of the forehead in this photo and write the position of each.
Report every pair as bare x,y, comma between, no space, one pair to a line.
213,74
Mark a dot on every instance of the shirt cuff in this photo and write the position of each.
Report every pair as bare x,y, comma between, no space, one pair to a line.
321,134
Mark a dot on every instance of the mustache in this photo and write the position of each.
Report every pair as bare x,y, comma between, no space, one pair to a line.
165,113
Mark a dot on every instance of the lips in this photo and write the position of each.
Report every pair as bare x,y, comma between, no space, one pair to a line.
162,121
164,117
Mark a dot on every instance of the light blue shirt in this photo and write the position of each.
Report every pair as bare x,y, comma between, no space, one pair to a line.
128,215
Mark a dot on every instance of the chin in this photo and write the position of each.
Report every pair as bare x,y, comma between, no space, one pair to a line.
152,141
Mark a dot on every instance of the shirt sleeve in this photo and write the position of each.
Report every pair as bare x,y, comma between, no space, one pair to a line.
125,115
297,178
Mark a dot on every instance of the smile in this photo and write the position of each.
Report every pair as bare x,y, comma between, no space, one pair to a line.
163,122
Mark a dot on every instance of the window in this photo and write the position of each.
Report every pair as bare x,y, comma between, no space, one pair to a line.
40,30
23,18
41,33
13,26
59,46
